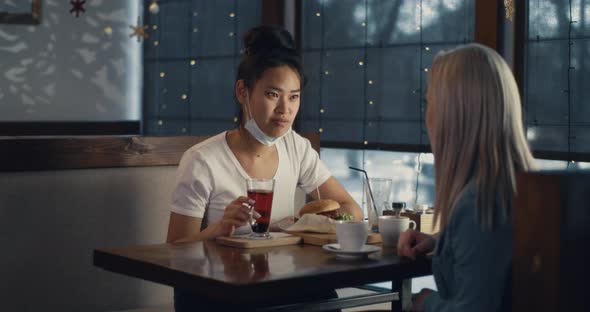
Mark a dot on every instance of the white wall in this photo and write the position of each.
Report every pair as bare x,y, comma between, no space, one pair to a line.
68,68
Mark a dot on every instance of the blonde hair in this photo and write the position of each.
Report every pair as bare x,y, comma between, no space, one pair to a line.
478,132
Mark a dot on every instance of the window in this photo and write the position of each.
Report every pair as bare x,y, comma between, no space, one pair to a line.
367,64
557,75
190,64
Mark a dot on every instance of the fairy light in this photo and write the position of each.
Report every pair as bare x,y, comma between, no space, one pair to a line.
193,62
154,7
361,63
162,74
235,119
160,122
156,43
232,14
154,27
370,82
231,33
108,30
320,130
184,96
322,110
195,30
426,69
326,73
317,14
370,102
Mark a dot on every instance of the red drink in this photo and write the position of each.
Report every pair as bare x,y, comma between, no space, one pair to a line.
263,206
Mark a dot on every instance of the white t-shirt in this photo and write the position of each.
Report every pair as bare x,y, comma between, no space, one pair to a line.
210,177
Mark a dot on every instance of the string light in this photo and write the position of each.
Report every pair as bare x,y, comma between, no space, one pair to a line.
231,34
322,110
365,142
156,43
195,13
232,14
108,30
160,122
370,82
363,24
326,73
184,97
370,102
321,130
317,14
195,29
427,48
426,69
193,62
183,130
162,74
155,27
361,63
235,119
154,7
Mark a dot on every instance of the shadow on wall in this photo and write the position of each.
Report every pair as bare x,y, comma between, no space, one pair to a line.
69,68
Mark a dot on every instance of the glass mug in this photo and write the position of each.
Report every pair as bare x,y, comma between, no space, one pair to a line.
261,191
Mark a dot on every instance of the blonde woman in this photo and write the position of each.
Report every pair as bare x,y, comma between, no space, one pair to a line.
476,133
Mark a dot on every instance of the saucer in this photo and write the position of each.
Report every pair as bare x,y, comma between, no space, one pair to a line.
366,250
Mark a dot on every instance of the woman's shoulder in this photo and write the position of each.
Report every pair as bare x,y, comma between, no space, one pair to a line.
211,146
466,208
215,141
294,139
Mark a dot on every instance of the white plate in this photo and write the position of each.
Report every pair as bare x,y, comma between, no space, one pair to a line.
366,250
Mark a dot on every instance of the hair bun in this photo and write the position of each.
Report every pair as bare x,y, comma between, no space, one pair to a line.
265,40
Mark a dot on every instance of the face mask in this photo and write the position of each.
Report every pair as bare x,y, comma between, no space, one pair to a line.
252,127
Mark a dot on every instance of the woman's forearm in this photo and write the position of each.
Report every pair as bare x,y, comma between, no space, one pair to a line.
210,232
353,209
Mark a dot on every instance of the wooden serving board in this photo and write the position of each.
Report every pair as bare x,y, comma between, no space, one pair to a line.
278,239
320,239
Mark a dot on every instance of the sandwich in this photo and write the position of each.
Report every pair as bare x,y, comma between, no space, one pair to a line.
325,207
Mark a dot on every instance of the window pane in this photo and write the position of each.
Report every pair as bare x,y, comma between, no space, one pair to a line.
372,72
557,74
213,89
189,74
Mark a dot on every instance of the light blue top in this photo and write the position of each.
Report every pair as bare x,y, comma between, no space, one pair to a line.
472,267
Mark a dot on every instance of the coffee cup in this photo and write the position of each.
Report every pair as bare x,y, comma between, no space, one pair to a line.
352,235
391,227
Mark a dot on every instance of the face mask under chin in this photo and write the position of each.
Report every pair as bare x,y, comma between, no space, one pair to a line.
252,127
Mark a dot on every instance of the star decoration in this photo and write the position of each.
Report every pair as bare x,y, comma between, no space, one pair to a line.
77,7
139,31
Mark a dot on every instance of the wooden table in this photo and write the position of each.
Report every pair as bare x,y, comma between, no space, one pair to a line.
255,275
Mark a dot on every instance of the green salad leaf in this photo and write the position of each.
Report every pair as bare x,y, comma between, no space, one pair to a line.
344,217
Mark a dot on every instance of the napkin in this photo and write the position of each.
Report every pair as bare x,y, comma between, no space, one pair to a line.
313,223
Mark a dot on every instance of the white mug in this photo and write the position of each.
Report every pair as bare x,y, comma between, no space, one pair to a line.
351,235
391,227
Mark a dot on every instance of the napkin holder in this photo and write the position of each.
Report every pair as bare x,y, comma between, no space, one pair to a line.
424,220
